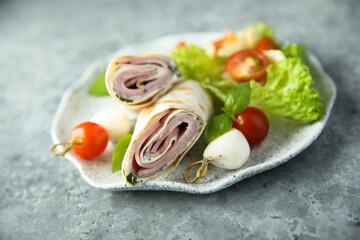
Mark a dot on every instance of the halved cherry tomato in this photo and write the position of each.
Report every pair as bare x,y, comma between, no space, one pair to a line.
92,139
246,65
265,43
253,123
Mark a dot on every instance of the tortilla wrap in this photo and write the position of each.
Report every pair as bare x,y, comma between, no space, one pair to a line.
138,81
165,131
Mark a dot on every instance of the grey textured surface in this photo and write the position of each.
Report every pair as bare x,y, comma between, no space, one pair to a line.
45,46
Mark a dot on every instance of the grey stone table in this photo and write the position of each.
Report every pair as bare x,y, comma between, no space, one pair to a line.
46,45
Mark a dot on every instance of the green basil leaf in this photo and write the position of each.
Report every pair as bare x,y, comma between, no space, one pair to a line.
237,99
98,87
119,152
217,126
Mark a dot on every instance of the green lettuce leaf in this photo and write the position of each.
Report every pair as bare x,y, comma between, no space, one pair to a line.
294,50
195,64
287,92
264,29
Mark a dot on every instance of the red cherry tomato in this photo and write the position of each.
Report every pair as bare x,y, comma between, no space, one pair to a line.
246,65
253,123
93,139
265,43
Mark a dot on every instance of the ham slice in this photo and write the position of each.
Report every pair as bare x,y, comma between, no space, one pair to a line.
165,131
138,81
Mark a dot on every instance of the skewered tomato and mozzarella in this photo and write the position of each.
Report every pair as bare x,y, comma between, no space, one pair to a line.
89,139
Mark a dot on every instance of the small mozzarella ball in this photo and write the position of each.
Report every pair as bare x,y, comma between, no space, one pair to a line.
114,121
274,55
232,146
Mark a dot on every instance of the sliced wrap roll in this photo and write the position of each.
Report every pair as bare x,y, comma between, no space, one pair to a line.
138,81
165,131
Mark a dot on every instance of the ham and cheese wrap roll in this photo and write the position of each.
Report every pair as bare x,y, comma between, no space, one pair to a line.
138,81
165,131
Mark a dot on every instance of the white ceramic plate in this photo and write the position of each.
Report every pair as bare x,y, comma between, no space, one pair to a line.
285,140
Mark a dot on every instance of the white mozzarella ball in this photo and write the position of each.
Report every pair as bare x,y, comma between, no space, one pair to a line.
232,146
114,121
